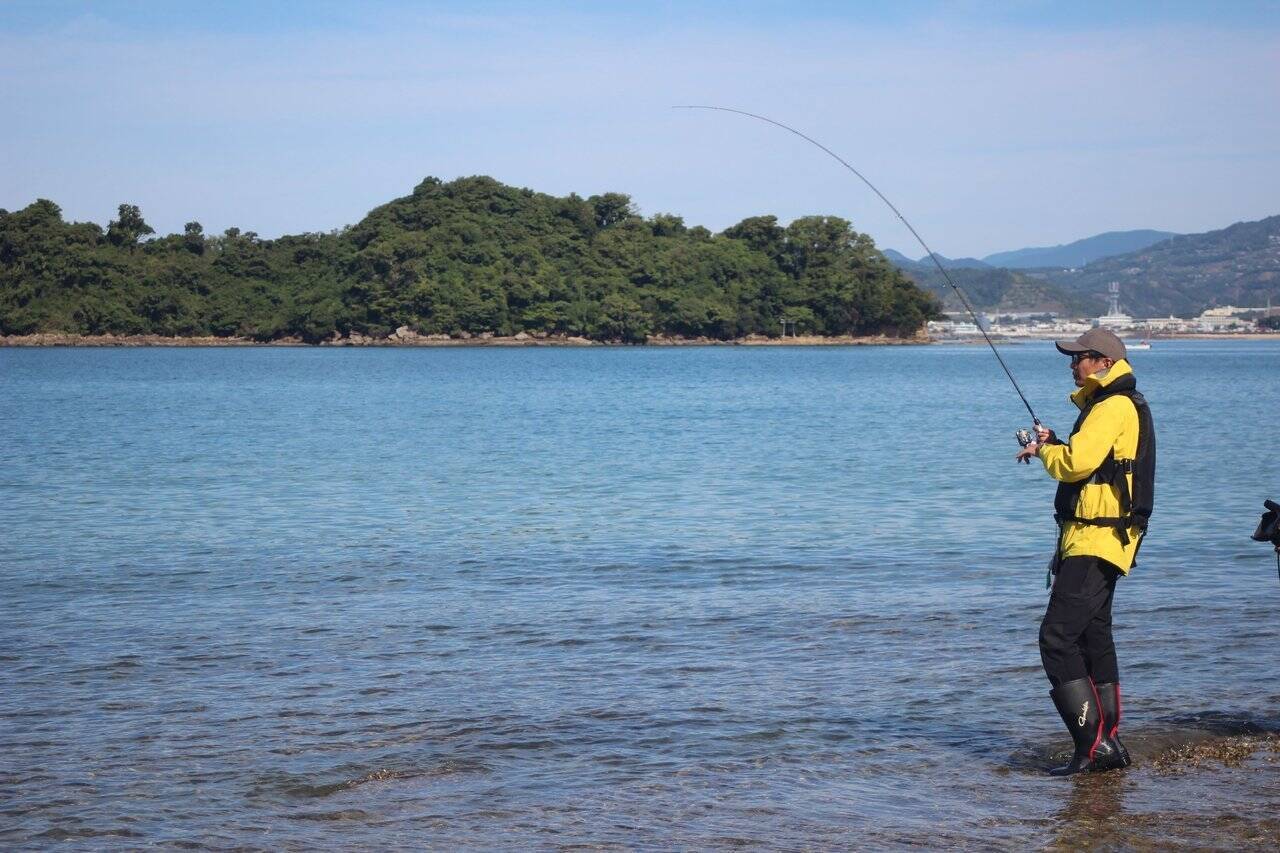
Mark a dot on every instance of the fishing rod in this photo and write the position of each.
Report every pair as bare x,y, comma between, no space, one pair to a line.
1023,437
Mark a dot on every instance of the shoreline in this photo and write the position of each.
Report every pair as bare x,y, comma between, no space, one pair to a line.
410,339
403,338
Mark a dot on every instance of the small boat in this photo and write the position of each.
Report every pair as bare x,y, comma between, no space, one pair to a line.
1145,343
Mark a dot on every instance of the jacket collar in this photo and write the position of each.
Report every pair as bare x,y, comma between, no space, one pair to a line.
1095,382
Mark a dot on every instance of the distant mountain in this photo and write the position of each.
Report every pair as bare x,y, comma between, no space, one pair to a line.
902,262
1000,290
1160,273
1081,252
990,288
1238,265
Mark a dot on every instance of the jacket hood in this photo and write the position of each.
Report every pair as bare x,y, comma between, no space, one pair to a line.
1095,382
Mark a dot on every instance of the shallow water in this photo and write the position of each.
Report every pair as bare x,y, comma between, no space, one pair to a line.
609,598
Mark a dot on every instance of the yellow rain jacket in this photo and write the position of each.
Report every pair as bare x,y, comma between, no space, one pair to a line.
1112,425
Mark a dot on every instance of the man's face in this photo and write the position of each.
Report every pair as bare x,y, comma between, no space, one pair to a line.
1083,364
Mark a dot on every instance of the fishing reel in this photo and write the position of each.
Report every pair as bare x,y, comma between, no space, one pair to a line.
1025,437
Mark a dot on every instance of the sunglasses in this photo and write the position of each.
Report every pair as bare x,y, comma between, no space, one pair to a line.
1081,356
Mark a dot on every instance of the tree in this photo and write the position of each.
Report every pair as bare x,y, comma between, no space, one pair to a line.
127,230
470,255
761,233
623,320
666,224
193,238
818,242
612,208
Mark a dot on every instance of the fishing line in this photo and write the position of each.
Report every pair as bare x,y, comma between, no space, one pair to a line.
914,233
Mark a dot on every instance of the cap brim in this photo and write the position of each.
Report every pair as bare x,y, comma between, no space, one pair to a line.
1070,347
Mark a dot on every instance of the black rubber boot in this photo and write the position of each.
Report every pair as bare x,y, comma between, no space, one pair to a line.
1077,702
1109,705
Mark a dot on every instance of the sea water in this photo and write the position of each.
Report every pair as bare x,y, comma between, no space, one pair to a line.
618,598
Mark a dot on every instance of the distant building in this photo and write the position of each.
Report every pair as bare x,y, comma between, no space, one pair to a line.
1113,322
952,329
1114,318
1224,311
1220,319
1169,324
1047,325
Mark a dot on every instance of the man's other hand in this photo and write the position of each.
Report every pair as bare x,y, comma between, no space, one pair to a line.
1027,453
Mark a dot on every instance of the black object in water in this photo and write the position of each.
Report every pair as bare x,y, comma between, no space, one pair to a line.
1269,529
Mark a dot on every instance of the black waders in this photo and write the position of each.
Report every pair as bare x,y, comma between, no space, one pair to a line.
1078,703
1109,704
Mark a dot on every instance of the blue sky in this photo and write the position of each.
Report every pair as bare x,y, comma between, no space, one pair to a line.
992,126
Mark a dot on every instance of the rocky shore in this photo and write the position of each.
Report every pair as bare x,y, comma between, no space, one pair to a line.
406,337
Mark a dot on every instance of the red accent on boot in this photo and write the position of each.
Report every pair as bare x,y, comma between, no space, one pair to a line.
1115,727
1097,707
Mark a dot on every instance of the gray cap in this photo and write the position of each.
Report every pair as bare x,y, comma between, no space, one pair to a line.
1095,340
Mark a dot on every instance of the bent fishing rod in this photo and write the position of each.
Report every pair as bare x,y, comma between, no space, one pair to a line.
1023,437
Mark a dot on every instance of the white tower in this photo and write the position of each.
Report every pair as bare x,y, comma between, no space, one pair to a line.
1115,318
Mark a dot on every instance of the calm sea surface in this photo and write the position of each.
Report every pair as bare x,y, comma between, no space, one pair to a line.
689,598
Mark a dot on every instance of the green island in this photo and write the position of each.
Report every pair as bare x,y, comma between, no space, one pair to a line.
460,260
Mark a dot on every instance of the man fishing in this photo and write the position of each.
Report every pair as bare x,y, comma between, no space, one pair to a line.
1105,473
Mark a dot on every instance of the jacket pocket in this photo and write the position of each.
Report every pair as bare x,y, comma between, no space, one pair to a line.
1098,500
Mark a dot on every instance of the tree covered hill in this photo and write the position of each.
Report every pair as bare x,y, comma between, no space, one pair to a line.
467,256
1003,290
992,289
1238,265
1182,275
